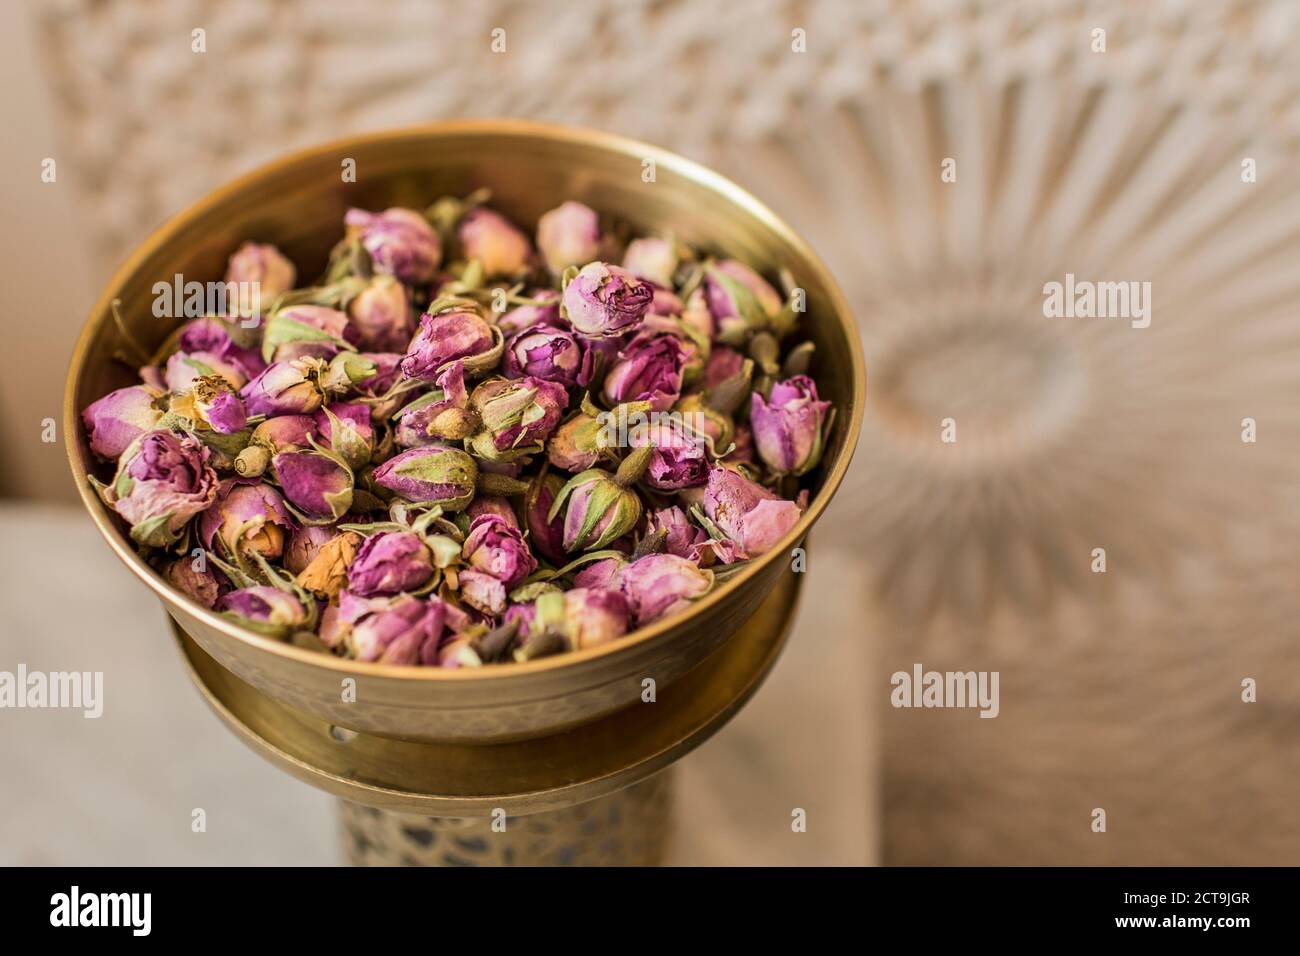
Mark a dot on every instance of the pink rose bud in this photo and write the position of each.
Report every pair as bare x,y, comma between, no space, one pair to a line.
746,512
599,508
489,237
594,616
401,243
652,259
266,610
497,547
390,630
568,235
348,430
492,505
604,300
381,313
209,340
390,562
739,300
788,426
303,330
304,544
679,459
454,333
284,388
162,481
660,584
546,352
522,317
268,274
649,369
546,535
517,416
435,474
248,518
317,485
119,418
184,368
203,586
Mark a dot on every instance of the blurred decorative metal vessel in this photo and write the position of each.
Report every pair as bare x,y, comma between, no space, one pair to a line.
297,203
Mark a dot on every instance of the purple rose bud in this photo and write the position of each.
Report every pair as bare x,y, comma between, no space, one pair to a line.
739,299
522,317
652,259
184,367
788,425
455,333
390,562
266,610
604,300
202,585
300,330
598,509
212,337
284,388
594,616
347,427
649,369
660,584
401,243
568,235
388,630
433,473
546,352
680,536
247,517
746,512
497,547
317,485
262,266
679,459
517,416
492,505
547,536
381,313
600,574
489,237
119,418
162,482
304,544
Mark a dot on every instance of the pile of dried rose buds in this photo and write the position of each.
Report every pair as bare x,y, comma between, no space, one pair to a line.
461,447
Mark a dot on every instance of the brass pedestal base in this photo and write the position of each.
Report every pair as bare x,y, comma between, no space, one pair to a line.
592,794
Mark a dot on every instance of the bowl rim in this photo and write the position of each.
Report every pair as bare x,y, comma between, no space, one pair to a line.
523,130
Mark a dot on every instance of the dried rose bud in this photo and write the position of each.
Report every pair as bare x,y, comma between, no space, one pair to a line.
522,317
649,369
604,300
743,450
598,507
318,486
304,544
652,259
266,610
679,459
660,584
739,300
247,517
381,313
576,443
300,330
594,616
119,418
284,388
434,474
746,512
568,235
788,425
492,505
201,585
390,630
454,333
214,337
547,352
184,367
327,573
482,591
494,242
517,416
262,264
210,403
497,547
390,562
717,426
347,428
546,535
679,535
162,481
401,243
667,303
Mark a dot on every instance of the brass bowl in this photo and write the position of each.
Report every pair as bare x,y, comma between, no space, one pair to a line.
298,204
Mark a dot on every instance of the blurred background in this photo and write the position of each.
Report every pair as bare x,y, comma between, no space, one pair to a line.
947,158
